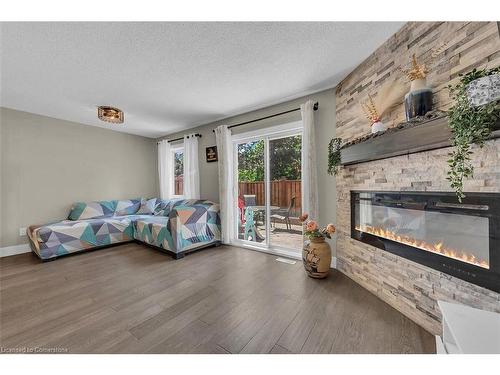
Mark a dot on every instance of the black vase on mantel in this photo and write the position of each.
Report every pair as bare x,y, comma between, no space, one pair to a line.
419,100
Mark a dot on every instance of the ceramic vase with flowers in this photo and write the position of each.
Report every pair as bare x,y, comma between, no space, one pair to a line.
316,254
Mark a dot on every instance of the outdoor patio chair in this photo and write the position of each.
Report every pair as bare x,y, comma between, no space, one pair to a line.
250,200
284,214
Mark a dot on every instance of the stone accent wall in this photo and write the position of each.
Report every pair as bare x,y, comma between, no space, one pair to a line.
411,288
469,45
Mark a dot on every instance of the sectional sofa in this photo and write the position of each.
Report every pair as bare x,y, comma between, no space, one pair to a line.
175,226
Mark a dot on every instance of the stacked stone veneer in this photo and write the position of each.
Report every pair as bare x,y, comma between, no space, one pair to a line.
411,288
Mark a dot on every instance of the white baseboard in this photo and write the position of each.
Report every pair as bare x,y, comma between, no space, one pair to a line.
14,250
334,262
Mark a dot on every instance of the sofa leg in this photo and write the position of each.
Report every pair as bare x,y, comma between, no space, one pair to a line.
178,256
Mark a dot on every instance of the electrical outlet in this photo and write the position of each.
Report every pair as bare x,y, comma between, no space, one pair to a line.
22,232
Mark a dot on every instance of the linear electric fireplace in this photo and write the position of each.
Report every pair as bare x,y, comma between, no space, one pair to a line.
434,229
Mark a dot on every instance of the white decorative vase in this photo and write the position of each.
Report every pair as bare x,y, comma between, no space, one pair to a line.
378,127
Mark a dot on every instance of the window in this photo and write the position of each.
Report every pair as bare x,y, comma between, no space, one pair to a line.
178,159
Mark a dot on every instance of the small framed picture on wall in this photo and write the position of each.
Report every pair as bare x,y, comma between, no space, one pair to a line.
211,154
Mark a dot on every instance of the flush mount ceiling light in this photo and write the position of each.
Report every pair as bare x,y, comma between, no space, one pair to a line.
110,114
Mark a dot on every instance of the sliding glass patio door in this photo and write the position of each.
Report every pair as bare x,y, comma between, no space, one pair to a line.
267,176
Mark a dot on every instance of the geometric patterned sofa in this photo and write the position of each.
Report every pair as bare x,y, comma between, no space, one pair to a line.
176,226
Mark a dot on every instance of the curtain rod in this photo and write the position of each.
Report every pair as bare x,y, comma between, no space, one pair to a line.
315,107
181,138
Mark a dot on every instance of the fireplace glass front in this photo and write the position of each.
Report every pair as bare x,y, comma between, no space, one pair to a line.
433,229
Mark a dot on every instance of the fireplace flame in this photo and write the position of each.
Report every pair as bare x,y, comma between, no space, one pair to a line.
437,248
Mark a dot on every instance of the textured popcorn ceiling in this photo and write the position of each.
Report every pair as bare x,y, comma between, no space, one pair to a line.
168,77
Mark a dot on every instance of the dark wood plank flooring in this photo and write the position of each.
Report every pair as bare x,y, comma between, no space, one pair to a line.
132,299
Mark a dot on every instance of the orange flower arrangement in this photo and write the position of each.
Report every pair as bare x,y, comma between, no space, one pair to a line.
312,229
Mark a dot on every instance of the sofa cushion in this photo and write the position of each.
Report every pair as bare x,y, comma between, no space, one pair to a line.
92,210
127,207
147,206
194,202
163,207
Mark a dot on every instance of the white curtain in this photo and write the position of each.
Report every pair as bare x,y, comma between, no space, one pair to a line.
165,169
309,178
226,199
191,168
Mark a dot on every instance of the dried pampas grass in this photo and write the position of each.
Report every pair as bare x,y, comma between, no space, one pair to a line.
388,96
370,110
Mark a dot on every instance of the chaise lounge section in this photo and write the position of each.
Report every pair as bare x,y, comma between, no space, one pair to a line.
174,226
189,224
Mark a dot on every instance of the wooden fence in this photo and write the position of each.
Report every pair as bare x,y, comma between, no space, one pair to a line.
178,185
281,193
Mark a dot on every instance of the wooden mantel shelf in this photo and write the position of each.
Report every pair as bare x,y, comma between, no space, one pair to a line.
424,136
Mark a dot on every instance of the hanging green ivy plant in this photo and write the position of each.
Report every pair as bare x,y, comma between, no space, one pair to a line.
334,155
469,125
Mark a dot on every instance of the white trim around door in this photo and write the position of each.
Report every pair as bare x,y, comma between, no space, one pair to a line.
267,134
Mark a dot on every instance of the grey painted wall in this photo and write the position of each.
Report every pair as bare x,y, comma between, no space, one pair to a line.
325,130
47,164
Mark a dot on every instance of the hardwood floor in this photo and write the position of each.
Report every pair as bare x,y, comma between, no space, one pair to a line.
132,299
